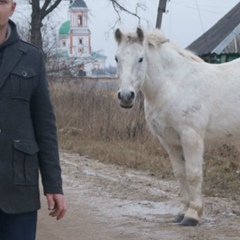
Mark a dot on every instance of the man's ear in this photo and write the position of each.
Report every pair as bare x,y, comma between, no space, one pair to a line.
14,4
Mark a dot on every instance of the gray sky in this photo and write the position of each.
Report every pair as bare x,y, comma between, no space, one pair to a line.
184,21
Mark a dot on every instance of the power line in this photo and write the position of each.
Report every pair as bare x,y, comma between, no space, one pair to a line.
199,14
195,8
200,17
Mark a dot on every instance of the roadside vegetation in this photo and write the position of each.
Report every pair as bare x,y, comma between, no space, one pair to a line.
91,123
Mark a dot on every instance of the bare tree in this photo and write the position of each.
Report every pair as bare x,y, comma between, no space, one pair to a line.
42,8
119,7
39,33
39,12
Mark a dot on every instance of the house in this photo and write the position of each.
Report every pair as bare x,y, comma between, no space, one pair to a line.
75,42
221,43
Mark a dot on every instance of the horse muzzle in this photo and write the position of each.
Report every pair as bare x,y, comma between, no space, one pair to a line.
126,98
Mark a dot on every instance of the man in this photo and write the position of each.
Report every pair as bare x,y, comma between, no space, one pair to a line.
28,138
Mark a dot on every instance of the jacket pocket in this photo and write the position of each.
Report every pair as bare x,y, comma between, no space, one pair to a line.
25,162
22,82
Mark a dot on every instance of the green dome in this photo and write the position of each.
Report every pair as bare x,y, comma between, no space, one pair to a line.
65,28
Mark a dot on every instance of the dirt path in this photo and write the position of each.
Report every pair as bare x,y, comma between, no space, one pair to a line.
107,202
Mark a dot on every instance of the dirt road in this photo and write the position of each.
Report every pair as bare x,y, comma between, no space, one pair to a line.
107,202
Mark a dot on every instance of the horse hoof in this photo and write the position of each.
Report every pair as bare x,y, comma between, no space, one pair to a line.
178,218
189,222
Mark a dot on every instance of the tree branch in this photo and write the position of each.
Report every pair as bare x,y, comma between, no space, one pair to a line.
45,11
118,8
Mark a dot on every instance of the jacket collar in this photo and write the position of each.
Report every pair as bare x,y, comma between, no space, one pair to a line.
12,36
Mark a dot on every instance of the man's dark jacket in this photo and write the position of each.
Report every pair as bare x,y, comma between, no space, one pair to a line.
28,135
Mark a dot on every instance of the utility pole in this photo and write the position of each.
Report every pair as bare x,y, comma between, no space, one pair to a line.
161,9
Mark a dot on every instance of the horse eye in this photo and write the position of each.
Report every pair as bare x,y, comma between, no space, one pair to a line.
140,60
116,59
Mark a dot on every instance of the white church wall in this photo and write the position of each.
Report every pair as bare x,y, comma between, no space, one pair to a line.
80,45
78,41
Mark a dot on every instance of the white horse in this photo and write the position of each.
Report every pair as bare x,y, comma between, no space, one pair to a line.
188,103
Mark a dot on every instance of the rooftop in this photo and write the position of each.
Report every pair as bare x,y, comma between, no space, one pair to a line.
221,37
98,55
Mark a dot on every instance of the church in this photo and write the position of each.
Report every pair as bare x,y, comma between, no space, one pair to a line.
75,41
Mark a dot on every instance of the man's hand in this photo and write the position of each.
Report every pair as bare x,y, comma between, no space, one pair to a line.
57,205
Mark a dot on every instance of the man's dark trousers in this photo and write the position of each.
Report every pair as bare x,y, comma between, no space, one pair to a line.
21,226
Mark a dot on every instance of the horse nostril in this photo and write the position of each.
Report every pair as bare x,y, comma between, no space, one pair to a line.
132,95
119,95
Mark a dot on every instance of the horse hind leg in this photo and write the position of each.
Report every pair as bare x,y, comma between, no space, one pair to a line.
193,148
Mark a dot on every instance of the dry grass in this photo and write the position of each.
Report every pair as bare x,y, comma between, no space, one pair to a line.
91,123
222,171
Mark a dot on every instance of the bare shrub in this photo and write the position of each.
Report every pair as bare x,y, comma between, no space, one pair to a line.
95,114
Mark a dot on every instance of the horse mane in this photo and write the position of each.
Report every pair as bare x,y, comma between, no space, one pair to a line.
156,38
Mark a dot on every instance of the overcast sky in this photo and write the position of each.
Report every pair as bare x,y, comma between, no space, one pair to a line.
184,21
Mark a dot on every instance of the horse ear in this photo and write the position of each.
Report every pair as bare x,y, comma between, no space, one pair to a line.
140,34
118,35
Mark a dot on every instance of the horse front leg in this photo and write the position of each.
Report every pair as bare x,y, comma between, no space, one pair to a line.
178,164
193,147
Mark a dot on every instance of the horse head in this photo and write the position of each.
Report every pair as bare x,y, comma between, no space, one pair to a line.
131,64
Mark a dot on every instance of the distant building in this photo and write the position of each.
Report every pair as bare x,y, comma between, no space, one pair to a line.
221,43
75,42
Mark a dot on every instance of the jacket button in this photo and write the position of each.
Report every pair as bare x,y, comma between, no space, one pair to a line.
24,73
